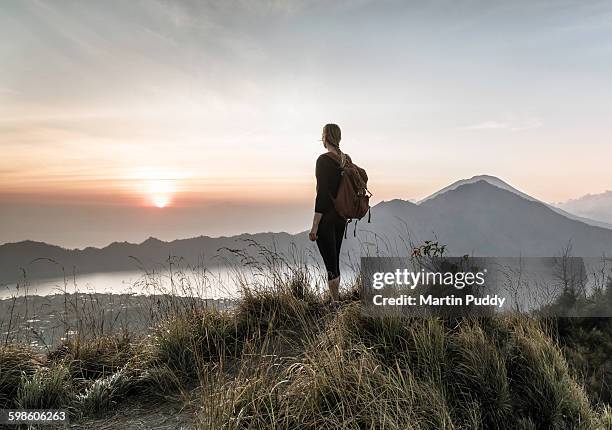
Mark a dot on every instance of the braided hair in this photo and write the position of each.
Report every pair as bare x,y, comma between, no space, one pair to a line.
332,136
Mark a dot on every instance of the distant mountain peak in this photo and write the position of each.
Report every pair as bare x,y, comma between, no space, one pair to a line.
590,197
152,240
493,180
397,202
496,182
594,206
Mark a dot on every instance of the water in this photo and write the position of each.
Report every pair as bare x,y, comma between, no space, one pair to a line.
113,282
220,282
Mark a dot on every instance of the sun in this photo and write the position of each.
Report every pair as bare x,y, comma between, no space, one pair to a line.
160,201
160,192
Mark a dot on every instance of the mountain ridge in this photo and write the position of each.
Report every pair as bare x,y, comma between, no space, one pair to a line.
472,218
495,181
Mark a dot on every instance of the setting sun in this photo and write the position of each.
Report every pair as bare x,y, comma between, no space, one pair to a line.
161,201
160,192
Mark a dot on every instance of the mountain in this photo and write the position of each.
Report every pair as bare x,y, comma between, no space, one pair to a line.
477,217
595,206
572,214
487,178
41,260
482,216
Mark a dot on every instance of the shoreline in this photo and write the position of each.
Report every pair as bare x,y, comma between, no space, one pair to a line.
45,321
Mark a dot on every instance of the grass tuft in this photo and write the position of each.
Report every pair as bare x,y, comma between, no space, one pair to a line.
47,388
16,361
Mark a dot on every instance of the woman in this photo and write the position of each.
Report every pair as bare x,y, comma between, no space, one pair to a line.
327,226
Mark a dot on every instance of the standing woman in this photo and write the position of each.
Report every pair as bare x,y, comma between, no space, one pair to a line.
327,226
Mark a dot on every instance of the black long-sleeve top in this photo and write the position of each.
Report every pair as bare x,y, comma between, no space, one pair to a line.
328,173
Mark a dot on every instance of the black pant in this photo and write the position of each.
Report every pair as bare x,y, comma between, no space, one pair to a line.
329,241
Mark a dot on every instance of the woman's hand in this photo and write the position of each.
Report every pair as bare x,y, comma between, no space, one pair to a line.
312,235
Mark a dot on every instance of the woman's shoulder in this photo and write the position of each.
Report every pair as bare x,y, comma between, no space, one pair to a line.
326,158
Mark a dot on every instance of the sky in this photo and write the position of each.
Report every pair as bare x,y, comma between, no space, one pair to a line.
124,120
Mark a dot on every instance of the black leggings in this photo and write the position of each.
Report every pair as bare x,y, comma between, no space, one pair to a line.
329,241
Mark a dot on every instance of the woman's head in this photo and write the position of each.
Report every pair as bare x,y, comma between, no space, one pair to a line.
332,135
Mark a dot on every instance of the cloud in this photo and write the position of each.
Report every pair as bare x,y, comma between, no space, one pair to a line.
487,125
509,125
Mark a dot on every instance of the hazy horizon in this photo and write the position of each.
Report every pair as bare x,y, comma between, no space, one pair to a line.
120,121
177,222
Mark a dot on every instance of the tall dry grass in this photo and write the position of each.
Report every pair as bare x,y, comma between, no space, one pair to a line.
283,357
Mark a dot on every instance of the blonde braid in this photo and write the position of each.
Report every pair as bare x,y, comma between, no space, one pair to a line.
333,135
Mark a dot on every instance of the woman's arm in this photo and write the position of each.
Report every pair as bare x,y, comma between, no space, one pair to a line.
315,226
323,172
322,201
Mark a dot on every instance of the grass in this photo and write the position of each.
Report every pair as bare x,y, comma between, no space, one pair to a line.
47,388
16,362
95,358
405,374
284,358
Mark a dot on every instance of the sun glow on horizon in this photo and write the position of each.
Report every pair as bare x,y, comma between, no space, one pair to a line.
160,192
161,201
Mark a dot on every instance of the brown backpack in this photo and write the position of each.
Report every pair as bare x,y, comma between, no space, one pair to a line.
353,198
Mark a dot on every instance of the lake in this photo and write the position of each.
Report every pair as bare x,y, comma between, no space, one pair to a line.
219,282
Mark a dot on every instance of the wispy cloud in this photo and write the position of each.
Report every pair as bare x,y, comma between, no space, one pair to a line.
509,125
